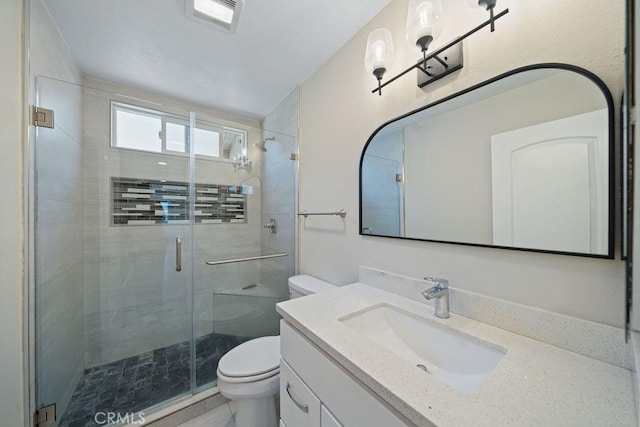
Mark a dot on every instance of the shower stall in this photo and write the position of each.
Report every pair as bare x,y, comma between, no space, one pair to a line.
161,237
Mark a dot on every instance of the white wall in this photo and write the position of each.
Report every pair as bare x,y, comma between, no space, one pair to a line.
12,404
339,113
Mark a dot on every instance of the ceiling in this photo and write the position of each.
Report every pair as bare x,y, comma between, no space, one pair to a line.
153,45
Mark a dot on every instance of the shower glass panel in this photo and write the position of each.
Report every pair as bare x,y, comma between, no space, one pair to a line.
132,198
112,212
234,301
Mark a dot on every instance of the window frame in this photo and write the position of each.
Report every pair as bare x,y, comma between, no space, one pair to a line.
165,118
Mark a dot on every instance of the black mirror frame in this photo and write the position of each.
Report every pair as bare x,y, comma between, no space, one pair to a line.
612,161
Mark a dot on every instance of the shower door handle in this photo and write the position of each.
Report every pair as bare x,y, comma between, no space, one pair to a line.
178,254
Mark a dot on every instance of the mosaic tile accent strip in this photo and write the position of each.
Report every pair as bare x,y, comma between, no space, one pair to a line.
136,383
149,202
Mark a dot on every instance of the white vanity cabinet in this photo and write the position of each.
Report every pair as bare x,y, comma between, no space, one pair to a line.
299,406
316,392
327,419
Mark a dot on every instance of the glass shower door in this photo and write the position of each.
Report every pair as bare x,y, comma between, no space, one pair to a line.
132,198
113,274
242,263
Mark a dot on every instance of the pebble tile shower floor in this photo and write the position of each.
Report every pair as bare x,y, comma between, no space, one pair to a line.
133,384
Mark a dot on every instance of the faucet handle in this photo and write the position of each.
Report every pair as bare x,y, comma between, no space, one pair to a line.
440,283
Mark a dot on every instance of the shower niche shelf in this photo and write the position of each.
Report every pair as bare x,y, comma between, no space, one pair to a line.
151,202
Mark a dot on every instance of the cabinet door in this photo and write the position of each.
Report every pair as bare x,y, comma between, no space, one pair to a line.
327,419
299,407
351,402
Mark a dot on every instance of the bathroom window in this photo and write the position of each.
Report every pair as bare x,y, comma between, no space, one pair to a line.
138,130
142,129
207,138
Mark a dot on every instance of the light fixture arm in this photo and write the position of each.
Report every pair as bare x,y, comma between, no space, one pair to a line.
492,19
490,6
423,68
444,64
435,54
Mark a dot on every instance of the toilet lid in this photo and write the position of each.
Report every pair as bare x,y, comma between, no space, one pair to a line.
255,357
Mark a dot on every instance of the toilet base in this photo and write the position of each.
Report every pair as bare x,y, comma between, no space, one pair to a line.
261,412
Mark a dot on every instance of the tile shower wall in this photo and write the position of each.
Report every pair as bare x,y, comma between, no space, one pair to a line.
135,301
59,254
279,193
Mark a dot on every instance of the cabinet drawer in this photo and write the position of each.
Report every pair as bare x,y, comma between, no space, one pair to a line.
327,419
299,407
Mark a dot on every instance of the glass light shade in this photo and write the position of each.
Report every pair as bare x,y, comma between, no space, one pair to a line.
379,53
424,18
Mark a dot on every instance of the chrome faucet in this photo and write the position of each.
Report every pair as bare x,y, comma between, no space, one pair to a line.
441,294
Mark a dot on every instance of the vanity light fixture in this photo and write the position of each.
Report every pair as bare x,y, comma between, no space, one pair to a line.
425,21
379,54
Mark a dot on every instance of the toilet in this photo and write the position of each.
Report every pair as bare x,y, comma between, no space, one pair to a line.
249,374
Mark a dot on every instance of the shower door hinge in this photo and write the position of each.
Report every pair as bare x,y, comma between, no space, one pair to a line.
41,117
293,156
399,177
45,416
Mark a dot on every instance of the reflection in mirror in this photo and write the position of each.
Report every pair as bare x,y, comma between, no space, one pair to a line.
522,161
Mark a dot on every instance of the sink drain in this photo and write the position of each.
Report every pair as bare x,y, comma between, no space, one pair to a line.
424,368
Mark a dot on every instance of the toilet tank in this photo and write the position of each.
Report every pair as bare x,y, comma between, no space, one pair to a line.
304,284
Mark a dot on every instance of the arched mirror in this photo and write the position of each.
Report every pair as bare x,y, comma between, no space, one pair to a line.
522,161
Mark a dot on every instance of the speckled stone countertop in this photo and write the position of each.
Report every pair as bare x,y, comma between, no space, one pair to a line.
535,384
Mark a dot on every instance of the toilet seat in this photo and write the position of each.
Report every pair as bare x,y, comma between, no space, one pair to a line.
248,379
253,360
242,391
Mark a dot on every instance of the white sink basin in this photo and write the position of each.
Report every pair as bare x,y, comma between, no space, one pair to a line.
460,360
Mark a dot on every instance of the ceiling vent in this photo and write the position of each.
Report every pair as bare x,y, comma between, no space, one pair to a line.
224,14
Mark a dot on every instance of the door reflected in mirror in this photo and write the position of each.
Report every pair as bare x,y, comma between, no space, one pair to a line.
523,161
